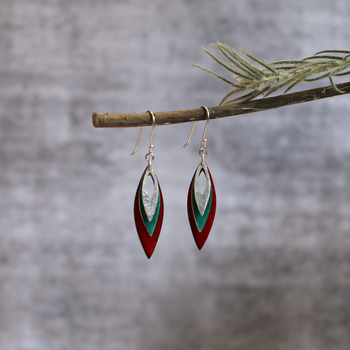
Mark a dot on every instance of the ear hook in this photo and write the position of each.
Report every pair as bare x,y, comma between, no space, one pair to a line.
140,133
205,128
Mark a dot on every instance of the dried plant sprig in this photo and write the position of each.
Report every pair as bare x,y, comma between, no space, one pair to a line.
253,77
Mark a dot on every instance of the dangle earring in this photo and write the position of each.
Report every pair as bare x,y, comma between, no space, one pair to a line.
148,211
201,206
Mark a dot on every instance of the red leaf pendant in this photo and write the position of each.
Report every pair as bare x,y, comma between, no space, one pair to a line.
148,211
201,207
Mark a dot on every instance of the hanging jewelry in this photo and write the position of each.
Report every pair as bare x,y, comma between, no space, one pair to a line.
148,211
201,207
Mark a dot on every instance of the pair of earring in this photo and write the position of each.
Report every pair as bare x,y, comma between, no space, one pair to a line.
149,211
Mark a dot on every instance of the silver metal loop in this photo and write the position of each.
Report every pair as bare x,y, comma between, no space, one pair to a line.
190,136
137,141
194,123
203,150
153,127
150,156
151,139
207,123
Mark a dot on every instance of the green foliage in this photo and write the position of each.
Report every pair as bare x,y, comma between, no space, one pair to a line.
251,77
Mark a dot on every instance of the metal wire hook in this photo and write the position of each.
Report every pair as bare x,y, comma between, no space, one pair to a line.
140,133
205,128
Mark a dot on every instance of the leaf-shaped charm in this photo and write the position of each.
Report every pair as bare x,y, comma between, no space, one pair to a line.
148,212
201,207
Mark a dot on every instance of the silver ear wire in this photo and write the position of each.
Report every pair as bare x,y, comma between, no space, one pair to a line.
205,128
140,133
137,141
189,137
207,123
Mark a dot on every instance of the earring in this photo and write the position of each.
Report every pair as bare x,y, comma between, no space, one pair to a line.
201,207
148,211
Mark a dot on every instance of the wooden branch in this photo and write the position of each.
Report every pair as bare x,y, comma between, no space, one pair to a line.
119,120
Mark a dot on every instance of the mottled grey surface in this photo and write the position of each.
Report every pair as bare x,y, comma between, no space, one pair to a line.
275,271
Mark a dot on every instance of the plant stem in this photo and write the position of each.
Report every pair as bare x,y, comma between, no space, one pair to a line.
119,120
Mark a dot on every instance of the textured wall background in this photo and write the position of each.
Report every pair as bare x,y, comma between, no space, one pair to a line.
275,271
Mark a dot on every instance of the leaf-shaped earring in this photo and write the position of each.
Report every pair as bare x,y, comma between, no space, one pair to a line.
148,210
201,206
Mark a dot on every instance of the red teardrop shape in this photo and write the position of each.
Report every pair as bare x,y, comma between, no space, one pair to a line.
200,237
148,241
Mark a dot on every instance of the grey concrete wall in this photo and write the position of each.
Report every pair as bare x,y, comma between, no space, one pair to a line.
275,271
